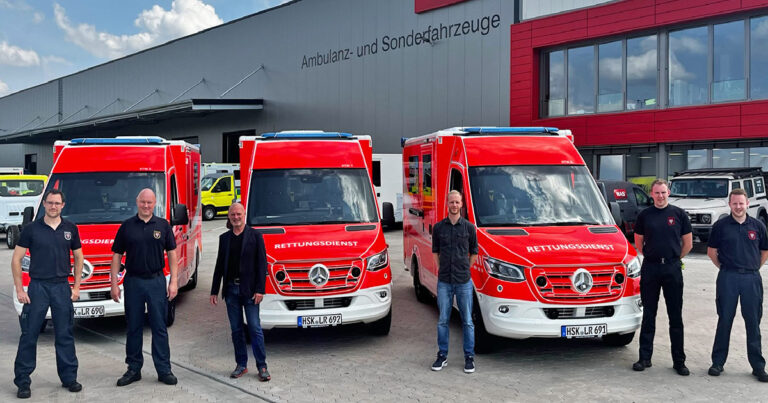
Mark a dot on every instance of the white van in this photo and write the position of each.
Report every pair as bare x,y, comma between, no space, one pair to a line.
388,182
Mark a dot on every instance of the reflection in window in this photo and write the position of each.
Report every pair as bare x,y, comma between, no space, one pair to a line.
758,157
413,174
581,80
758,57
556,91
727,157
609,93
688,67
640,165
426,183
728,56
697,159
642,74
611,167
676,162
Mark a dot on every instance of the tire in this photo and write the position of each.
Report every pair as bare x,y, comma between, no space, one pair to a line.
381,327
618,340
388,214
171,314
12,236
209,213
192,282
422,294
484,341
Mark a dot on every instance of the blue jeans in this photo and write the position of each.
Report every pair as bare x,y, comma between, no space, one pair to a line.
152,292
463,293
235,306
43,294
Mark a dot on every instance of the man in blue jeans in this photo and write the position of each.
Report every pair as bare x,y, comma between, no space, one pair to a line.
242,264
454,247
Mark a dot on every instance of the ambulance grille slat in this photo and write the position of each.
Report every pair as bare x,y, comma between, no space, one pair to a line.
560,288
297,280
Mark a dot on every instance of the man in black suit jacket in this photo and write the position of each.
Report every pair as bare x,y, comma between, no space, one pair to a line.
242,265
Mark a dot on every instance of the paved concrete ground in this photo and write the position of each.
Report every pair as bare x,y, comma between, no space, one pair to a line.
347,364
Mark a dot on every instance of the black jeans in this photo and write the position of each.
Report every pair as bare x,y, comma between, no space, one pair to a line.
666,277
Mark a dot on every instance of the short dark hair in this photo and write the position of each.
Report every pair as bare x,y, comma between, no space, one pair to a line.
737,191
55,192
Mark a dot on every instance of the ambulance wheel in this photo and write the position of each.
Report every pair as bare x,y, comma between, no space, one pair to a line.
171,314
484,341
209,213
388,214
12,236
618,340
422,294
381,326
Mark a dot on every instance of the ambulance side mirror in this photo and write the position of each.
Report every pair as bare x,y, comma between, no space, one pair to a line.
180,216
27,216
616,212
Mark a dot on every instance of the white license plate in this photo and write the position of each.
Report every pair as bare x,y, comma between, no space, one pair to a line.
89,311
577,331
319,320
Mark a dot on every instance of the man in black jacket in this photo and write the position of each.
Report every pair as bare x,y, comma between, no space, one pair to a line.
242,264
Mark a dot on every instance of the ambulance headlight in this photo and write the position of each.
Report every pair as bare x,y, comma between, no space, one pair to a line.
503,270
25,264
633,268
377,261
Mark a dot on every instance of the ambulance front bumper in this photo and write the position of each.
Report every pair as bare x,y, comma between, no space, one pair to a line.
88,299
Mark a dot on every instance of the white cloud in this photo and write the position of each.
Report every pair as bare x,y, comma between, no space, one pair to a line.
15,5
4,90
56,60
16,56
158,26
38,17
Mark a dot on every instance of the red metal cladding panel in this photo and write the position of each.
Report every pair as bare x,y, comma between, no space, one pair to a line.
91,159
304,154
542,150
421,6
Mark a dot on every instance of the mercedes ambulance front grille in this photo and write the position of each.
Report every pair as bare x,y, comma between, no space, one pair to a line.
99,278
579,313
559,287
98,296
292,278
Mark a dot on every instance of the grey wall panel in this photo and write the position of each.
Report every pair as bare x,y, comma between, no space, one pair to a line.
538,8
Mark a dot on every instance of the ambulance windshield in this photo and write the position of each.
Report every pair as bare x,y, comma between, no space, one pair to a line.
536,195
310,196
105,197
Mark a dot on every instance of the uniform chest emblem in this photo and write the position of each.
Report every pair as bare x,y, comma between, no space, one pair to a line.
671,221
752,235
67,235
156,234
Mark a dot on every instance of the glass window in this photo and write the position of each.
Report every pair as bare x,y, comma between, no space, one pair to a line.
706,188
758,157
581,80
759,185
736,185
611,167
728,82
727,157
642,198
748,188
21,187
642,77
555,99
413,174
758,57
426,185
697,159
676,162
688,66
610,95
641,166
376,173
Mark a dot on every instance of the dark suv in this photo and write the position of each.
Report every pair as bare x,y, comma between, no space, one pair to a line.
631,199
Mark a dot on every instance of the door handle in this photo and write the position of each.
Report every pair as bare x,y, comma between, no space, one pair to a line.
416,212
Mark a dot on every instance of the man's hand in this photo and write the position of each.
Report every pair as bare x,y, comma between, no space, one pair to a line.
22,296
173,289
75,293
115,292
257,298
214,300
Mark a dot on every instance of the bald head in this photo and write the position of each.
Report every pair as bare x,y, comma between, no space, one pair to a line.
145,202
236,216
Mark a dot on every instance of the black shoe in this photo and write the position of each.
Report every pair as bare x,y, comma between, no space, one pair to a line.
264,374
715,370
128,378
681,369
24,392
74,386
760,375
641,365
168,379
469,364
238,372
440,362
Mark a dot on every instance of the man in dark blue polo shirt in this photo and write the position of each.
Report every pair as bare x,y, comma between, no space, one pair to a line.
49,240
738,246
454,248
144,239
663,235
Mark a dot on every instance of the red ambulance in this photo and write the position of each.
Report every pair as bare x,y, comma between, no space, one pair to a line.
310,194
551,262
101,178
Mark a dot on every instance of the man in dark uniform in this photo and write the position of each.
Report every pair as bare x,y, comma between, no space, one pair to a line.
663,235
144,239
738,246
242,264
49,240
454,248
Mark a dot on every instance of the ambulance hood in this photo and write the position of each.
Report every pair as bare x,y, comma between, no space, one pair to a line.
566,245
97,240
321,242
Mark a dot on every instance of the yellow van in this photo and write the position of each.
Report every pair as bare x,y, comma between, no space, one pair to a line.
16,193
217,192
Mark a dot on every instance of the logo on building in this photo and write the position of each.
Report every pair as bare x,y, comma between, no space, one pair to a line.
582,281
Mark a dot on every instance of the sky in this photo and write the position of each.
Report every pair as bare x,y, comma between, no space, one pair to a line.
41,40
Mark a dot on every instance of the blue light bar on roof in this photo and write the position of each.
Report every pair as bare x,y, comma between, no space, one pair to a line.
500,130
307,135
125,140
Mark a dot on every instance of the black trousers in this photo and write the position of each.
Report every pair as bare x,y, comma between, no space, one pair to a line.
733,286
655,278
